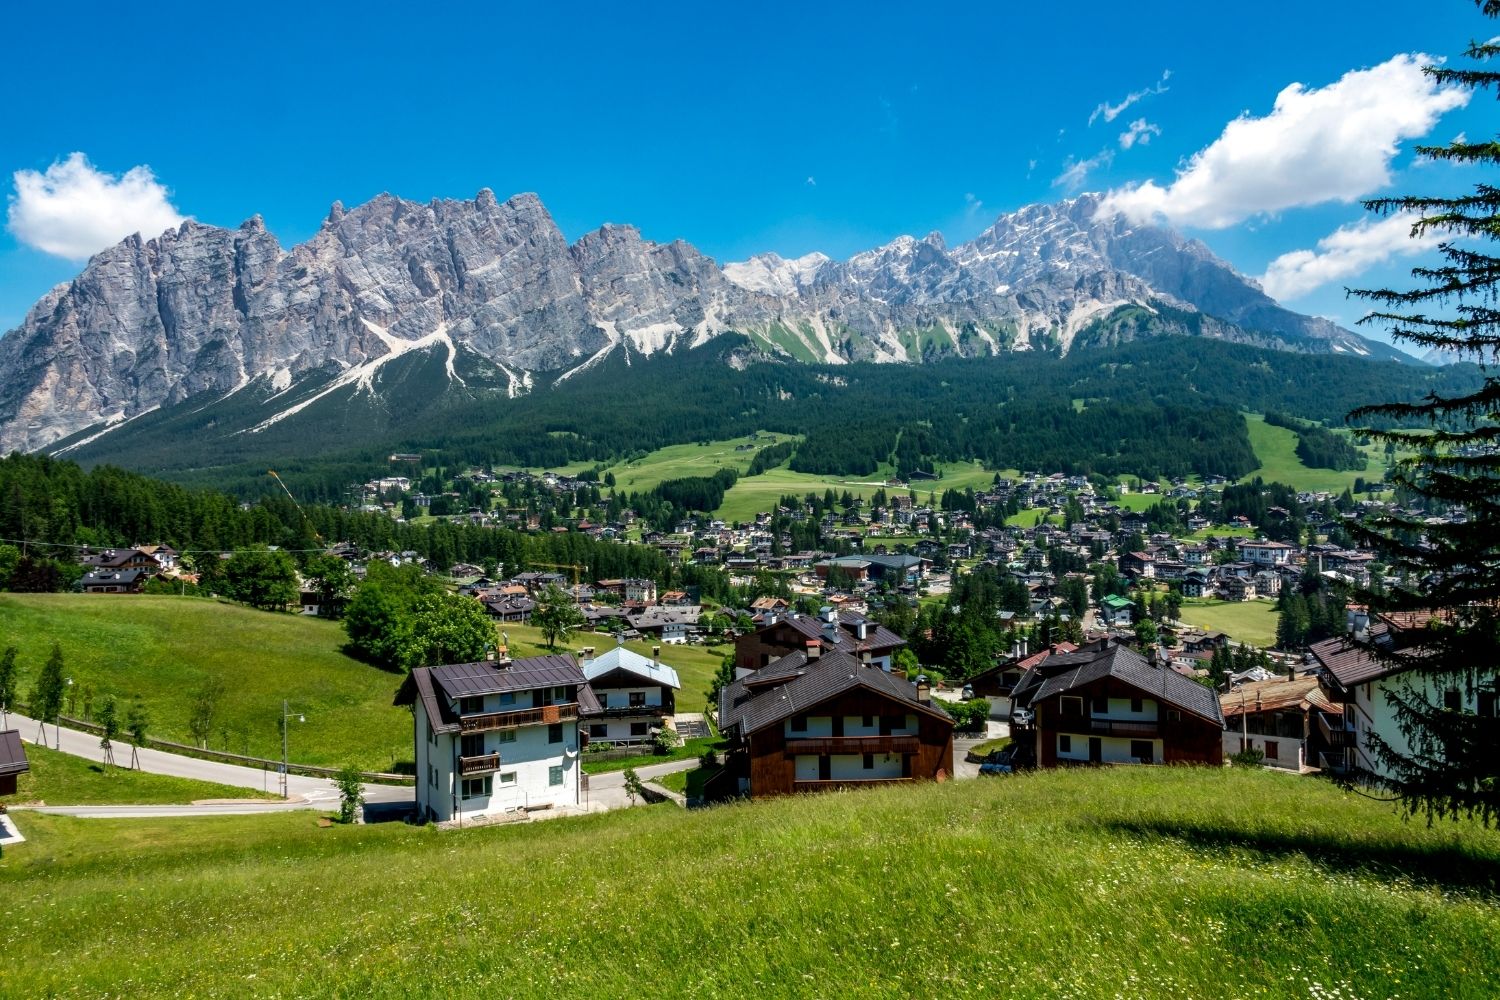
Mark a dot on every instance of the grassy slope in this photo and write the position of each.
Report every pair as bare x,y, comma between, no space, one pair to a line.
682,460
757,493
1088,883
164,648
1244,621
1276,447
59,779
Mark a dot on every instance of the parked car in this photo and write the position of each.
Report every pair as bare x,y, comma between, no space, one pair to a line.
967,694
1022,717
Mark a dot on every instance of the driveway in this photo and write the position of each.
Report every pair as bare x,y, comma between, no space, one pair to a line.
305,792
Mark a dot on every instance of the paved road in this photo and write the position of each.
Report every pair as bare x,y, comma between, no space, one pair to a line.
306,793
607,790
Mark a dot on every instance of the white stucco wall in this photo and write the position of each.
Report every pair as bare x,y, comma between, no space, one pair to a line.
1114,749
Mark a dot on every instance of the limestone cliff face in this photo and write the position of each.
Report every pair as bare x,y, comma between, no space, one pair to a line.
202,309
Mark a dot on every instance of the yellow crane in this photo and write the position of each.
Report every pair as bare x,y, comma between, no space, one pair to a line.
575,567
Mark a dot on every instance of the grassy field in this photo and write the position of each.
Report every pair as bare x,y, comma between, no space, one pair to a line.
1253,622
165,648
752,495
1085,883
59,779
1276,447
1028,518
682,460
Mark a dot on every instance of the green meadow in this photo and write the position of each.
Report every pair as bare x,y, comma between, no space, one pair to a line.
1138,882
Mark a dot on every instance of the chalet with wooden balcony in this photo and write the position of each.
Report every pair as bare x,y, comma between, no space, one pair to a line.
1107,704
831,631
815,721
635,695
1379,658
1291,721
498,735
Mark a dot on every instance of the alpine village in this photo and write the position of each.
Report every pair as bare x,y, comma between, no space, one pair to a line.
435,604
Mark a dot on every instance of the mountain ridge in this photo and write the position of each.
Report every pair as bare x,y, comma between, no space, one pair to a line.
204,310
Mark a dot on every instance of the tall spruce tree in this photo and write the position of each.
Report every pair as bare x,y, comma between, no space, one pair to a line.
1450,765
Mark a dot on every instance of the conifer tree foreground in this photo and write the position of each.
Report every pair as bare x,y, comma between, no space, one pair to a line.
1451,570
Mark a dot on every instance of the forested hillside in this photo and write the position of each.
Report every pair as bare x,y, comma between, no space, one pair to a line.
1153,408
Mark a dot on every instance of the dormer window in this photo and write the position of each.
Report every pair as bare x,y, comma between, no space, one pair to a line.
468,706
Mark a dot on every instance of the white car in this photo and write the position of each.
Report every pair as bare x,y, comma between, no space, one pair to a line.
1022,717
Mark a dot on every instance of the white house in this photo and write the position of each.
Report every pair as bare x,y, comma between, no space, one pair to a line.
497,736
635,695
1266,553
1361,682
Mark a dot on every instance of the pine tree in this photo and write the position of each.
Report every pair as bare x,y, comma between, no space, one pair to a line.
1451,767
47,695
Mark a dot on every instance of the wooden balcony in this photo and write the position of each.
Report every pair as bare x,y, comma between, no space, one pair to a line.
1079,725
853,745
1331,728
634,711
837,783
482,764
483,722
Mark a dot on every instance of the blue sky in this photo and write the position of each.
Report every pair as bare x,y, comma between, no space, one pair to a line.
738,128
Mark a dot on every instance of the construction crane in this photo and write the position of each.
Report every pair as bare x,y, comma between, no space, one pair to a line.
273,475
575,567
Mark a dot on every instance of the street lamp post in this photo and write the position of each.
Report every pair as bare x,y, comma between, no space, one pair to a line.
284,761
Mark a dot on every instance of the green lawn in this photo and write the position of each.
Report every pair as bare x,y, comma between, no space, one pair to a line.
1143,882
59,779
1028,518
695,665
165,648
679,461
1276,447
690,750
1220,531
1253,622
754,494
689,783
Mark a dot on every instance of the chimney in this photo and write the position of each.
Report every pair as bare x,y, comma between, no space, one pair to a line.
814,649
656,655
924,691
1357,620
828,615
862,630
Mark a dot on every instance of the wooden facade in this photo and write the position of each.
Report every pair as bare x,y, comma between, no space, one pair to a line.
769,760
1177,736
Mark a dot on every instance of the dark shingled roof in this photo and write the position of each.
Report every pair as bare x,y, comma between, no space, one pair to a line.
1065,672
808,684
1350,665
467,680
12,754
876,637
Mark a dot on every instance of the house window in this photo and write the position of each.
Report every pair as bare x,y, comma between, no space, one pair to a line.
1064,743
1101,705
598,731
559,694
867,721
554,733
475,788
869,762
637,699
1451,700
1486,707
507,699
508,778
1272,752
799,723
1173,715
603,699
640,728
1137,706
506,736
555,775
467,706
1142,751
473,745
1072,704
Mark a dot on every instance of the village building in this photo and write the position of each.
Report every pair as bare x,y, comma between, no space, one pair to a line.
1107,704
832,631
13,762
815,721
1291,721
498,735
636,695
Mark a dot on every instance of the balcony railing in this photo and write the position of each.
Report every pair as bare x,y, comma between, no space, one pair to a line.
481,722
853,745
478,765
1107,727
632,711
1332,729
837,783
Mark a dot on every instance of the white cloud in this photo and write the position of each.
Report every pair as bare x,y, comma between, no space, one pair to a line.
1347,251
1109,112
1138,131
812,182
73,210
972,205
1330,144
1076,172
